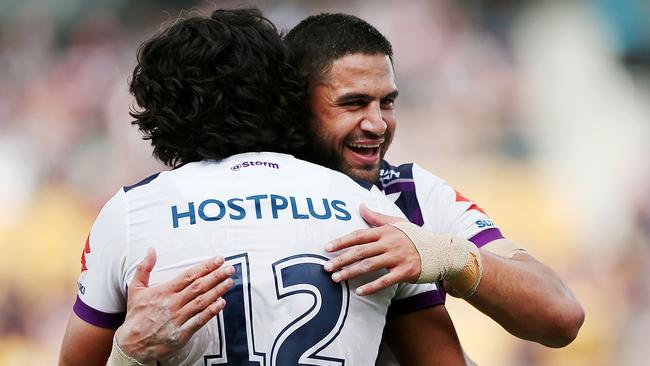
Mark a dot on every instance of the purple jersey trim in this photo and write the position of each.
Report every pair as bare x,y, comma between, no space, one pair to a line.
96,317
394,187
486,236
400,180
414,303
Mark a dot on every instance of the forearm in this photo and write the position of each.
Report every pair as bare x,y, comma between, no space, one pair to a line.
528,299
426,337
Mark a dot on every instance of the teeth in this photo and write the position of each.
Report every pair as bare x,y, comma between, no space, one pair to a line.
363,146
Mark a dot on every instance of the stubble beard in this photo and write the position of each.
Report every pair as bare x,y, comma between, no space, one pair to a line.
334,160
368,173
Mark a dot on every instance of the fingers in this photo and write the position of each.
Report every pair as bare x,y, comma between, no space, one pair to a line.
193,324
375,218
199,291
364,266
357,254
194,273
356,237
143,271
381,283
206,300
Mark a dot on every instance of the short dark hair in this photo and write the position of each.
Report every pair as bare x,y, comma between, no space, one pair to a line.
319,40
211,87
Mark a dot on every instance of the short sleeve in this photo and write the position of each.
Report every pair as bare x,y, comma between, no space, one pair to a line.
101,295
413,297
447,211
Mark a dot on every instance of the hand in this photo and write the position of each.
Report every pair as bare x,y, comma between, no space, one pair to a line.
383,246
160,320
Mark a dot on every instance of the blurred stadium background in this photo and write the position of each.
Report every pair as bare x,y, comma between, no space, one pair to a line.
538,110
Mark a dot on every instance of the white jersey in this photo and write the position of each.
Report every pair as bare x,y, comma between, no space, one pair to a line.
430,202
270,215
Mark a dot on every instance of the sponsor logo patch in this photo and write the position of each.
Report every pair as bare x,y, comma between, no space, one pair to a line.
484,223
247,164
81,287
388,174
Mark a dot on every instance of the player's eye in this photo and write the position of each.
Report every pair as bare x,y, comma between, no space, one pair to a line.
388,103
355,103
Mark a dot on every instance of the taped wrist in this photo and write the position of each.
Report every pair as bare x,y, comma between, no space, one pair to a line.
466,282
503,248
445,257
119,358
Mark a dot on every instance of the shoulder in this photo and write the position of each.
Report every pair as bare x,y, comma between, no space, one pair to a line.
407,177
141,183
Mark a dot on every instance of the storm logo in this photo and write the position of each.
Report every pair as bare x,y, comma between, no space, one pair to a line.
247,164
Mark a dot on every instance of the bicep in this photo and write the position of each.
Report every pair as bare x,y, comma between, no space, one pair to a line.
424,337
85,344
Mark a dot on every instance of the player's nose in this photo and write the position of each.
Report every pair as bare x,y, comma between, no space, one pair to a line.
373,120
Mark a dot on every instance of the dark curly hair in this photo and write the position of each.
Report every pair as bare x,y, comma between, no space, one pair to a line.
319,40
211,87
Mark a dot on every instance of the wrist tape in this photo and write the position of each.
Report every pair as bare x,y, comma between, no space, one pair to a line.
445,257
119,358
503,248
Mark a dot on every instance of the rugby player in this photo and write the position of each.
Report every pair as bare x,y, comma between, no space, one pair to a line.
352,92
222,106
348,64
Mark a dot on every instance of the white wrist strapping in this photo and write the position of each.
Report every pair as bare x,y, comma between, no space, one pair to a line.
119,358
503,248
445,257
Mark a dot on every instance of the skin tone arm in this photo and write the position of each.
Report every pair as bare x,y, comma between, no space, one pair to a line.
410,337
85,344
552,315
160,320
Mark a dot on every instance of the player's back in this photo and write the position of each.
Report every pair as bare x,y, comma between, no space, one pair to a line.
270,215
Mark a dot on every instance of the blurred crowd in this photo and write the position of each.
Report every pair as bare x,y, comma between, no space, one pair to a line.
537,110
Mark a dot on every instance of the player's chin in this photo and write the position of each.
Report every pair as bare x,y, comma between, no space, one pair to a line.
368,173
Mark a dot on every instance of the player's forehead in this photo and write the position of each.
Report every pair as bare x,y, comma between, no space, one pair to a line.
359,73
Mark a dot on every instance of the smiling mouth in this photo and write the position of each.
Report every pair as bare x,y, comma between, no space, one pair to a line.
369,151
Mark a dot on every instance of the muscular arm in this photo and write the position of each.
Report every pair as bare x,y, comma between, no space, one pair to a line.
85,344
411,337
159,320
524,296
528,299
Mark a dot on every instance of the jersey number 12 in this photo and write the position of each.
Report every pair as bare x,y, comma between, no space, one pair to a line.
303,338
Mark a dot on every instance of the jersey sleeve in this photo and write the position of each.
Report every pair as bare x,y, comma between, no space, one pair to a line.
408,297
101,295
413,297
446,211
